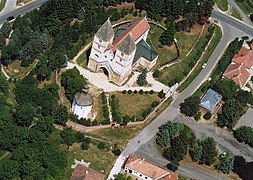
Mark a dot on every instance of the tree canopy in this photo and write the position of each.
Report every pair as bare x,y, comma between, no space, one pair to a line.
190,106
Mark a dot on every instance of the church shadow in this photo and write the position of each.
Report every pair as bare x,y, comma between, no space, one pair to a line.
88,55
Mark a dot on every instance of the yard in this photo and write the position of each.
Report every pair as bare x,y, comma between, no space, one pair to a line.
177,71
222,4
166,54
246,6
15,71
134,104
236,14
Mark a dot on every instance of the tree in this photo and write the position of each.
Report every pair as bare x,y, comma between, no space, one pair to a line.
166,132
197,116
190,106
208,151
196,152
207,116
24,114
173,165
243,168
167,37
231,112
4,85
244,134
45,125
226,162
2,40
6,29
68,136
121,176
161,94
141,80
156,73
72,82
9,169
60,114
251,17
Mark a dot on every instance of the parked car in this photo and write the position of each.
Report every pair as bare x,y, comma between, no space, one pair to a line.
245,37
10,18
204,65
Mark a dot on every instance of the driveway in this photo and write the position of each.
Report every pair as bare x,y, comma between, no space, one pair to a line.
246,119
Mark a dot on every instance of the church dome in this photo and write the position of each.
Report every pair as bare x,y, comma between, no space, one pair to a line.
83,98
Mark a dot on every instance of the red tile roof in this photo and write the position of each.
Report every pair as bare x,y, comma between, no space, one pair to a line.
148,169
238,70
137,28
82,172
238,73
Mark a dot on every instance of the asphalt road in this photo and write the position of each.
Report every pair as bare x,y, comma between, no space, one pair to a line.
144,138
21,10
243,27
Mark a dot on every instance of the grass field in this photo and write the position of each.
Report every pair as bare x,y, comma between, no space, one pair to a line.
134,104
222,4
246,6
20,71
2,4
207,54
177,71
236,14
166,54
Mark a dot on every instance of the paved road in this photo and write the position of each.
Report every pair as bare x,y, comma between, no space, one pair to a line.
20,10
244,16
243,27
149,132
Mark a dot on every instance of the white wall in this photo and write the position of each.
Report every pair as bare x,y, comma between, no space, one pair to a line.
137,174
81,111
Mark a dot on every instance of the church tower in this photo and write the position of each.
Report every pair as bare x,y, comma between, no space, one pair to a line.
102,39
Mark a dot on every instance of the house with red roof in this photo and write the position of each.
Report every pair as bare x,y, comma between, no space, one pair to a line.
116,55
142,169
82,172
241,67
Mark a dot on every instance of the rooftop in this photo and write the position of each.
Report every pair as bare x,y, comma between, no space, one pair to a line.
210,100
149,169
138,27
105,32
83,98
128,45
82,172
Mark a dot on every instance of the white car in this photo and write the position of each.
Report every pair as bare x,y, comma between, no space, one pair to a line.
204,65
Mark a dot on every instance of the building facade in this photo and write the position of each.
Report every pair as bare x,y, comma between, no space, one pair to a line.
117,54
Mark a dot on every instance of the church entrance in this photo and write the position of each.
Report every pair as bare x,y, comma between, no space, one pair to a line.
103,71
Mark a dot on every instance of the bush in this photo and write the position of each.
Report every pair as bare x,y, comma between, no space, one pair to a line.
135,91
154,104
197,116
124,92
85,146
161,94
116,152
151,92
102,146
104,99
146,92
141,91
113,96
156,73
173,165
129,91
207,116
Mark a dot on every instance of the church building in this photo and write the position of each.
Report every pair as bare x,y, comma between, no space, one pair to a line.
118,54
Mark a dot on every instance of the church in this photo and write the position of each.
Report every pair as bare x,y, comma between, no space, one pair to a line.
117,54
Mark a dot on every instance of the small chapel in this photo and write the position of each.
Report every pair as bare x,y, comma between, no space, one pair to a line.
117,54
82,103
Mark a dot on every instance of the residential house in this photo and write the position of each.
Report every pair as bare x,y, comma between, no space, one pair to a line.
82,172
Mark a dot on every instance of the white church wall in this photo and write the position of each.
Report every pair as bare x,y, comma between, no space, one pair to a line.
81,111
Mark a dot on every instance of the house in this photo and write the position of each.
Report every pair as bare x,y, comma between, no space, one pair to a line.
116,55
210,101
241,67
82,103
82,172
143,169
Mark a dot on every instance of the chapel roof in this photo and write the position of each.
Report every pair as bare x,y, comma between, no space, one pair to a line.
83,98
105,32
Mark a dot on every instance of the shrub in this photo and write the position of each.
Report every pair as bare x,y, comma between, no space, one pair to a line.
151,92
207,116
197,116
146,92
135,91
104,99
124,92
129,91
102,145
113,96
116,152
141,91
161,94
126,118
154,104
85,146
173,165
156,73
144,113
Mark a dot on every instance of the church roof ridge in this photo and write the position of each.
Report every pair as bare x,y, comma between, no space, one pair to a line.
105,32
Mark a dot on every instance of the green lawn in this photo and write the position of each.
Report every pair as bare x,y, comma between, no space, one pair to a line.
222,4
176,72
2,4
246,6
166,54
134,104
15,70
207,54
236,14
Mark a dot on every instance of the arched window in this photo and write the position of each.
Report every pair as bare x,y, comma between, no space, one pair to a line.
97,55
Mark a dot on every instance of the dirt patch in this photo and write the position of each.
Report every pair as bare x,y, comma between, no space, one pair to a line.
122,6
196,29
